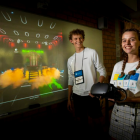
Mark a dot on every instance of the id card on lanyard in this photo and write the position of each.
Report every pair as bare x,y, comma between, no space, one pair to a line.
79,77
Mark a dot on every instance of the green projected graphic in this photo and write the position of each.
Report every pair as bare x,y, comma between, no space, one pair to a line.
55,83
48,88
45,89
28,51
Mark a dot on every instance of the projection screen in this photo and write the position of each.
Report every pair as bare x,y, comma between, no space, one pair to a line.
34,51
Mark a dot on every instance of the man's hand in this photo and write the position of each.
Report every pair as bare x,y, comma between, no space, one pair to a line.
101,79
94,96
69,105
91,95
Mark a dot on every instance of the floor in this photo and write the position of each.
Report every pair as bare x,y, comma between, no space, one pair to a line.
59,124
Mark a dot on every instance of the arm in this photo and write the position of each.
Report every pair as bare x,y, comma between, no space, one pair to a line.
69,92
132,99
99,66
135,99
128,99
101,79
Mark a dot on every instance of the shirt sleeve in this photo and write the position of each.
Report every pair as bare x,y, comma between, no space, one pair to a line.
70,75
99,66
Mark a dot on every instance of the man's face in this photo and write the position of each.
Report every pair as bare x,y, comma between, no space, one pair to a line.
77,41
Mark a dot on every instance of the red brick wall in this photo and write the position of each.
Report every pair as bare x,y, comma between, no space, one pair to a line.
109,48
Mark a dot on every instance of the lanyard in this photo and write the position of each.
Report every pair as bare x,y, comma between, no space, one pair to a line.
82,61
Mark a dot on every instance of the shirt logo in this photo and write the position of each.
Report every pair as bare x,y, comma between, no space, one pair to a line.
127,81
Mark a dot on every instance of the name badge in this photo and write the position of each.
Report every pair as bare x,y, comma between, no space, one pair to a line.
79,78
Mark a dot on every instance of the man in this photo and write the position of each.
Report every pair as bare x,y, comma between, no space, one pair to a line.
82,74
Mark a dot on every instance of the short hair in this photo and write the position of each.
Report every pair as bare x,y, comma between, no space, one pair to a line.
76,32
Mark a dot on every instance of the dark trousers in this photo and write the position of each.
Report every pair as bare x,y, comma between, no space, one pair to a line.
86,106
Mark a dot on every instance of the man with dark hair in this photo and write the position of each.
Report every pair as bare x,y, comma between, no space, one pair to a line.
82,74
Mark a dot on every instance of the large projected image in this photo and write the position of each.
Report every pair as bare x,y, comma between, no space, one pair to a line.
34,50
31,60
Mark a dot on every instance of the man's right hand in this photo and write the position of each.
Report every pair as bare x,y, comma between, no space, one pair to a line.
69,105
91,95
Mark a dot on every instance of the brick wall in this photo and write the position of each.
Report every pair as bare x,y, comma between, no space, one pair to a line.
109,48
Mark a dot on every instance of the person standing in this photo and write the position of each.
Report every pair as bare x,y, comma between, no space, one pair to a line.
125,116
82,74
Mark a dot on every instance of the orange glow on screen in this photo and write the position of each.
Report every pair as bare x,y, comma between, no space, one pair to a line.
25,45
12,44
39,46
4,39
50,47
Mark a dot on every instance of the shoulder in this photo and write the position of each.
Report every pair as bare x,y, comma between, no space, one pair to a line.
71,58
118,64
90,50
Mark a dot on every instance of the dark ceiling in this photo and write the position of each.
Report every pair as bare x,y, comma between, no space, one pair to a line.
136,14
109,8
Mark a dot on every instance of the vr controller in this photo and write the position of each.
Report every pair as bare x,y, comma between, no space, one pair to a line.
106,90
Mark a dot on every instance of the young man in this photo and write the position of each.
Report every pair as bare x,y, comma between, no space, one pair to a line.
82,74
